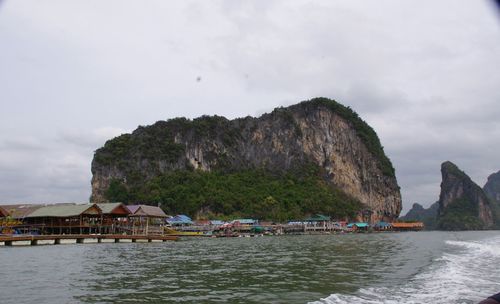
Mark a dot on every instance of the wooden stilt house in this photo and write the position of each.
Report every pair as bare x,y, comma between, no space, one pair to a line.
66,219
146,219
407,226
114,218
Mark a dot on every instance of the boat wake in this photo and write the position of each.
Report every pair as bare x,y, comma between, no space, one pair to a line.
466,275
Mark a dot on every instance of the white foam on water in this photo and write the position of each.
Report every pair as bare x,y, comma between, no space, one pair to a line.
491,247
463,277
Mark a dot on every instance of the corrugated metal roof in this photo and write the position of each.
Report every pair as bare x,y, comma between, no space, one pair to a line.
408,225
244,221
133,208
359,225
217,222
109,208
20,211
180,219
65,210
318,218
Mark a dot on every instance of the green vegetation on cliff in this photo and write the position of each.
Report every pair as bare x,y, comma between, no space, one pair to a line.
492,190
271,167
157,141
249,193
420,214
463,205
461,214
152,142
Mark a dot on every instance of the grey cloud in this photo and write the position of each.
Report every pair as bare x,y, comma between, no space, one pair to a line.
424,75
91,138
53,168
22,144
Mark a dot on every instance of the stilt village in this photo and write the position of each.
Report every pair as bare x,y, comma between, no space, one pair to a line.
26,224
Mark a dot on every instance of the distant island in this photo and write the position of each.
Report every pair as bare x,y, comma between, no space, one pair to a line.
462,205
317,156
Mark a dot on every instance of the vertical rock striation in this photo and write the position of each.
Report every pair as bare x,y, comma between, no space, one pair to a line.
462,204
492,187
319,132
492,190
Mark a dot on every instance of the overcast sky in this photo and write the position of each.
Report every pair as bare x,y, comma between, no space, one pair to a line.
424,74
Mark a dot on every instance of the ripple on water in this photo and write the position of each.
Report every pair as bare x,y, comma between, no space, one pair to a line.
290,269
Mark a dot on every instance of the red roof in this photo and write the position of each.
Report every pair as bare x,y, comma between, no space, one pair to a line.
408,225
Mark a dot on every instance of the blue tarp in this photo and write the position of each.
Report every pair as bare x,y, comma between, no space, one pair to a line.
217,222
180,219
245,221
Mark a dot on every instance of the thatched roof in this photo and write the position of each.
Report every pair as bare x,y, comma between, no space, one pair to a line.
146,210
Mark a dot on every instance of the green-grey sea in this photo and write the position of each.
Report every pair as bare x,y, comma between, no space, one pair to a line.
413,267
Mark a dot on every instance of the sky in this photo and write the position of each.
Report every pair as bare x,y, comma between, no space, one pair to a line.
424,74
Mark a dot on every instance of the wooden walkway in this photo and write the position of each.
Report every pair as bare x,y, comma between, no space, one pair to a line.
27,240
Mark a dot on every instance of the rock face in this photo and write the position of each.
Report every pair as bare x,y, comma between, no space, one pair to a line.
492,187
492,190
318,132
427,216
462,204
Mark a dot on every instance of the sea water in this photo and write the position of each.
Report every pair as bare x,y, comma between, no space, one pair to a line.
466,270
415,267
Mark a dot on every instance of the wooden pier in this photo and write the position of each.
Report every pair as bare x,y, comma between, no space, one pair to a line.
32,240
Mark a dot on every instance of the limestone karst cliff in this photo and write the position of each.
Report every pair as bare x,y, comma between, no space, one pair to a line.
426,215
462,204
492,187
320,136
492,190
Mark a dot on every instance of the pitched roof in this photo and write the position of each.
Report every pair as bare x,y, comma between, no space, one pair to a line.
359,225
318,218
217,222
408,225
3,212
244,221
114,208
146,210
133,208
65,210
20,211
